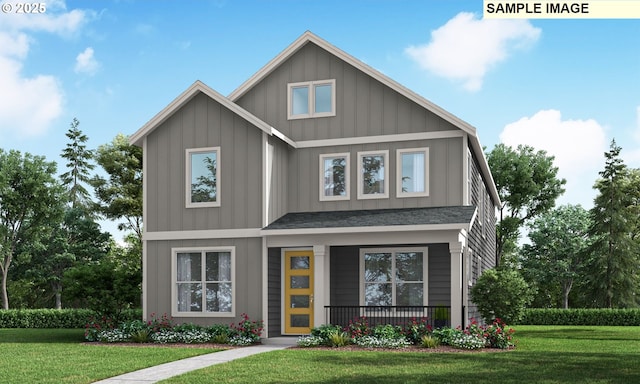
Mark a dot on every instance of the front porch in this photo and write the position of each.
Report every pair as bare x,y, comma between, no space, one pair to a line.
414,267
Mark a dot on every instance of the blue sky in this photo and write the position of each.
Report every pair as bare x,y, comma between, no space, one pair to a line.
566,86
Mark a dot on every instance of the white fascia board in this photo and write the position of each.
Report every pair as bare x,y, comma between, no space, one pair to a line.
203,234
484,169
185,97
284,138
310,37
380,139
380,229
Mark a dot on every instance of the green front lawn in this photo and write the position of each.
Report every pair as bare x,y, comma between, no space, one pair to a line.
60,356
545,354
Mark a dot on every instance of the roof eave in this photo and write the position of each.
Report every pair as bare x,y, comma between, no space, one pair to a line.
184,98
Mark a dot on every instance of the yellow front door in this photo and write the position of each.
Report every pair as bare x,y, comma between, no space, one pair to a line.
298,292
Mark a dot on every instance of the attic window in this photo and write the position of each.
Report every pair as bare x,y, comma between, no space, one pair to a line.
311,99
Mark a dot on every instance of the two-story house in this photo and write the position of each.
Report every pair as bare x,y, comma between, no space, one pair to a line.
319,190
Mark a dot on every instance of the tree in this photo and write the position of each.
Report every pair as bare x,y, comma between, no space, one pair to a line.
501,294
613,266
555,258
29,201
79,166
120,196
527,184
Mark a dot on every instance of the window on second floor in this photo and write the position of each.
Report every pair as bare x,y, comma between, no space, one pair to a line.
373,175
412,172
311,99
203,177
334,176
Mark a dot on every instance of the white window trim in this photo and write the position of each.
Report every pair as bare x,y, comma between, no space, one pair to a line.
174,282
347,176
399,153
311,100
425,270
188,153
361,194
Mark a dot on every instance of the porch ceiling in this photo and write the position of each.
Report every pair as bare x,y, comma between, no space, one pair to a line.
376,218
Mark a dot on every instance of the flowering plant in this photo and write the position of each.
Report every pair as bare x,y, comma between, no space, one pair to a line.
416,329
97,325
498,335
246,329
358,327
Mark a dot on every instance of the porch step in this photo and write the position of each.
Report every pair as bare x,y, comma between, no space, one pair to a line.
283,340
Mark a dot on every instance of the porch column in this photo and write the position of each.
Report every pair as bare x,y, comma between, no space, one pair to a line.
320,283
456,249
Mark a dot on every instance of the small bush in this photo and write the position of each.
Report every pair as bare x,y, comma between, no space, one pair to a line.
310,341
377,342
55,318
501,293
416,329
358,327
323,331
338,339
387,331
247,329
428,341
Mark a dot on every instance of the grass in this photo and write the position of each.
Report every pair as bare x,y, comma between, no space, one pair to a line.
60,356
545,354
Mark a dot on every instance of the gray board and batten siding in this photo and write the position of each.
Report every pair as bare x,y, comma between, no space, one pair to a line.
202,122
247,279
364,106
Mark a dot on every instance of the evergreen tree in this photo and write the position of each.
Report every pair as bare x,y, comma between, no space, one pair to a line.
613,264
79,166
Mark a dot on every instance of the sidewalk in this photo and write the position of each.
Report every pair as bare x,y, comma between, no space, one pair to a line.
167,370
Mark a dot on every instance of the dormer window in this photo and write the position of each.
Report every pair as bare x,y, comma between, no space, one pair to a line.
311,99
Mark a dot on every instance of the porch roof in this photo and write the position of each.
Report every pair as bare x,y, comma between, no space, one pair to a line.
462,215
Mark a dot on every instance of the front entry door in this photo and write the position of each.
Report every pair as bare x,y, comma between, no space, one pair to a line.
298,292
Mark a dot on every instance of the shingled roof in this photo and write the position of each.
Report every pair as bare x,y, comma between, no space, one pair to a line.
375,218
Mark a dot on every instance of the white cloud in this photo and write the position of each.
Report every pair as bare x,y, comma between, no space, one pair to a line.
466,48
578,147
86,62
30,104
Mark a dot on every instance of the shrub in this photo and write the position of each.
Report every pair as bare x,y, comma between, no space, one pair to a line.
501,293
247,329
311,341
378,342
338,339
358,327
54,318
323,332
428,341
416,329
591,316
463,340
498,335
387,331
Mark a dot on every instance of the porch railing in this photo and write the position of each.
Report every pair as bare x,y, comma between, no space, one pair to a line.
435,316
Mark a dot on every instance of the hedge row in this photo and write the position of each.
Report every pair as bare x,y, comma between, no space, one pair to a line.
536,316
55,318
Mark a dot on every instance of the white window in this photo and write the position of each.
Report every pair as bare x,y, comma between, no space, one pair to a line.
334,176
203,281
412,172
203,177
373,175
311,99
393,276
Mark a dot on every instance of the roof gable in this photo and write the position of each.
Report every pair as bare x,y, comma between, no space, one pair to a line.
309,37
184,98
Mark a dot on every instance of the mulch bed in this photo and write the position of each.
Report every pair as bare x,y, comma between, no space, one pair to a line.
412,348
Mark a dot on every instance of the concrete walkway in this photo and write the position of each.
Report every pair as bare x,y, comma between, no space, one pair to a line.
175,368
